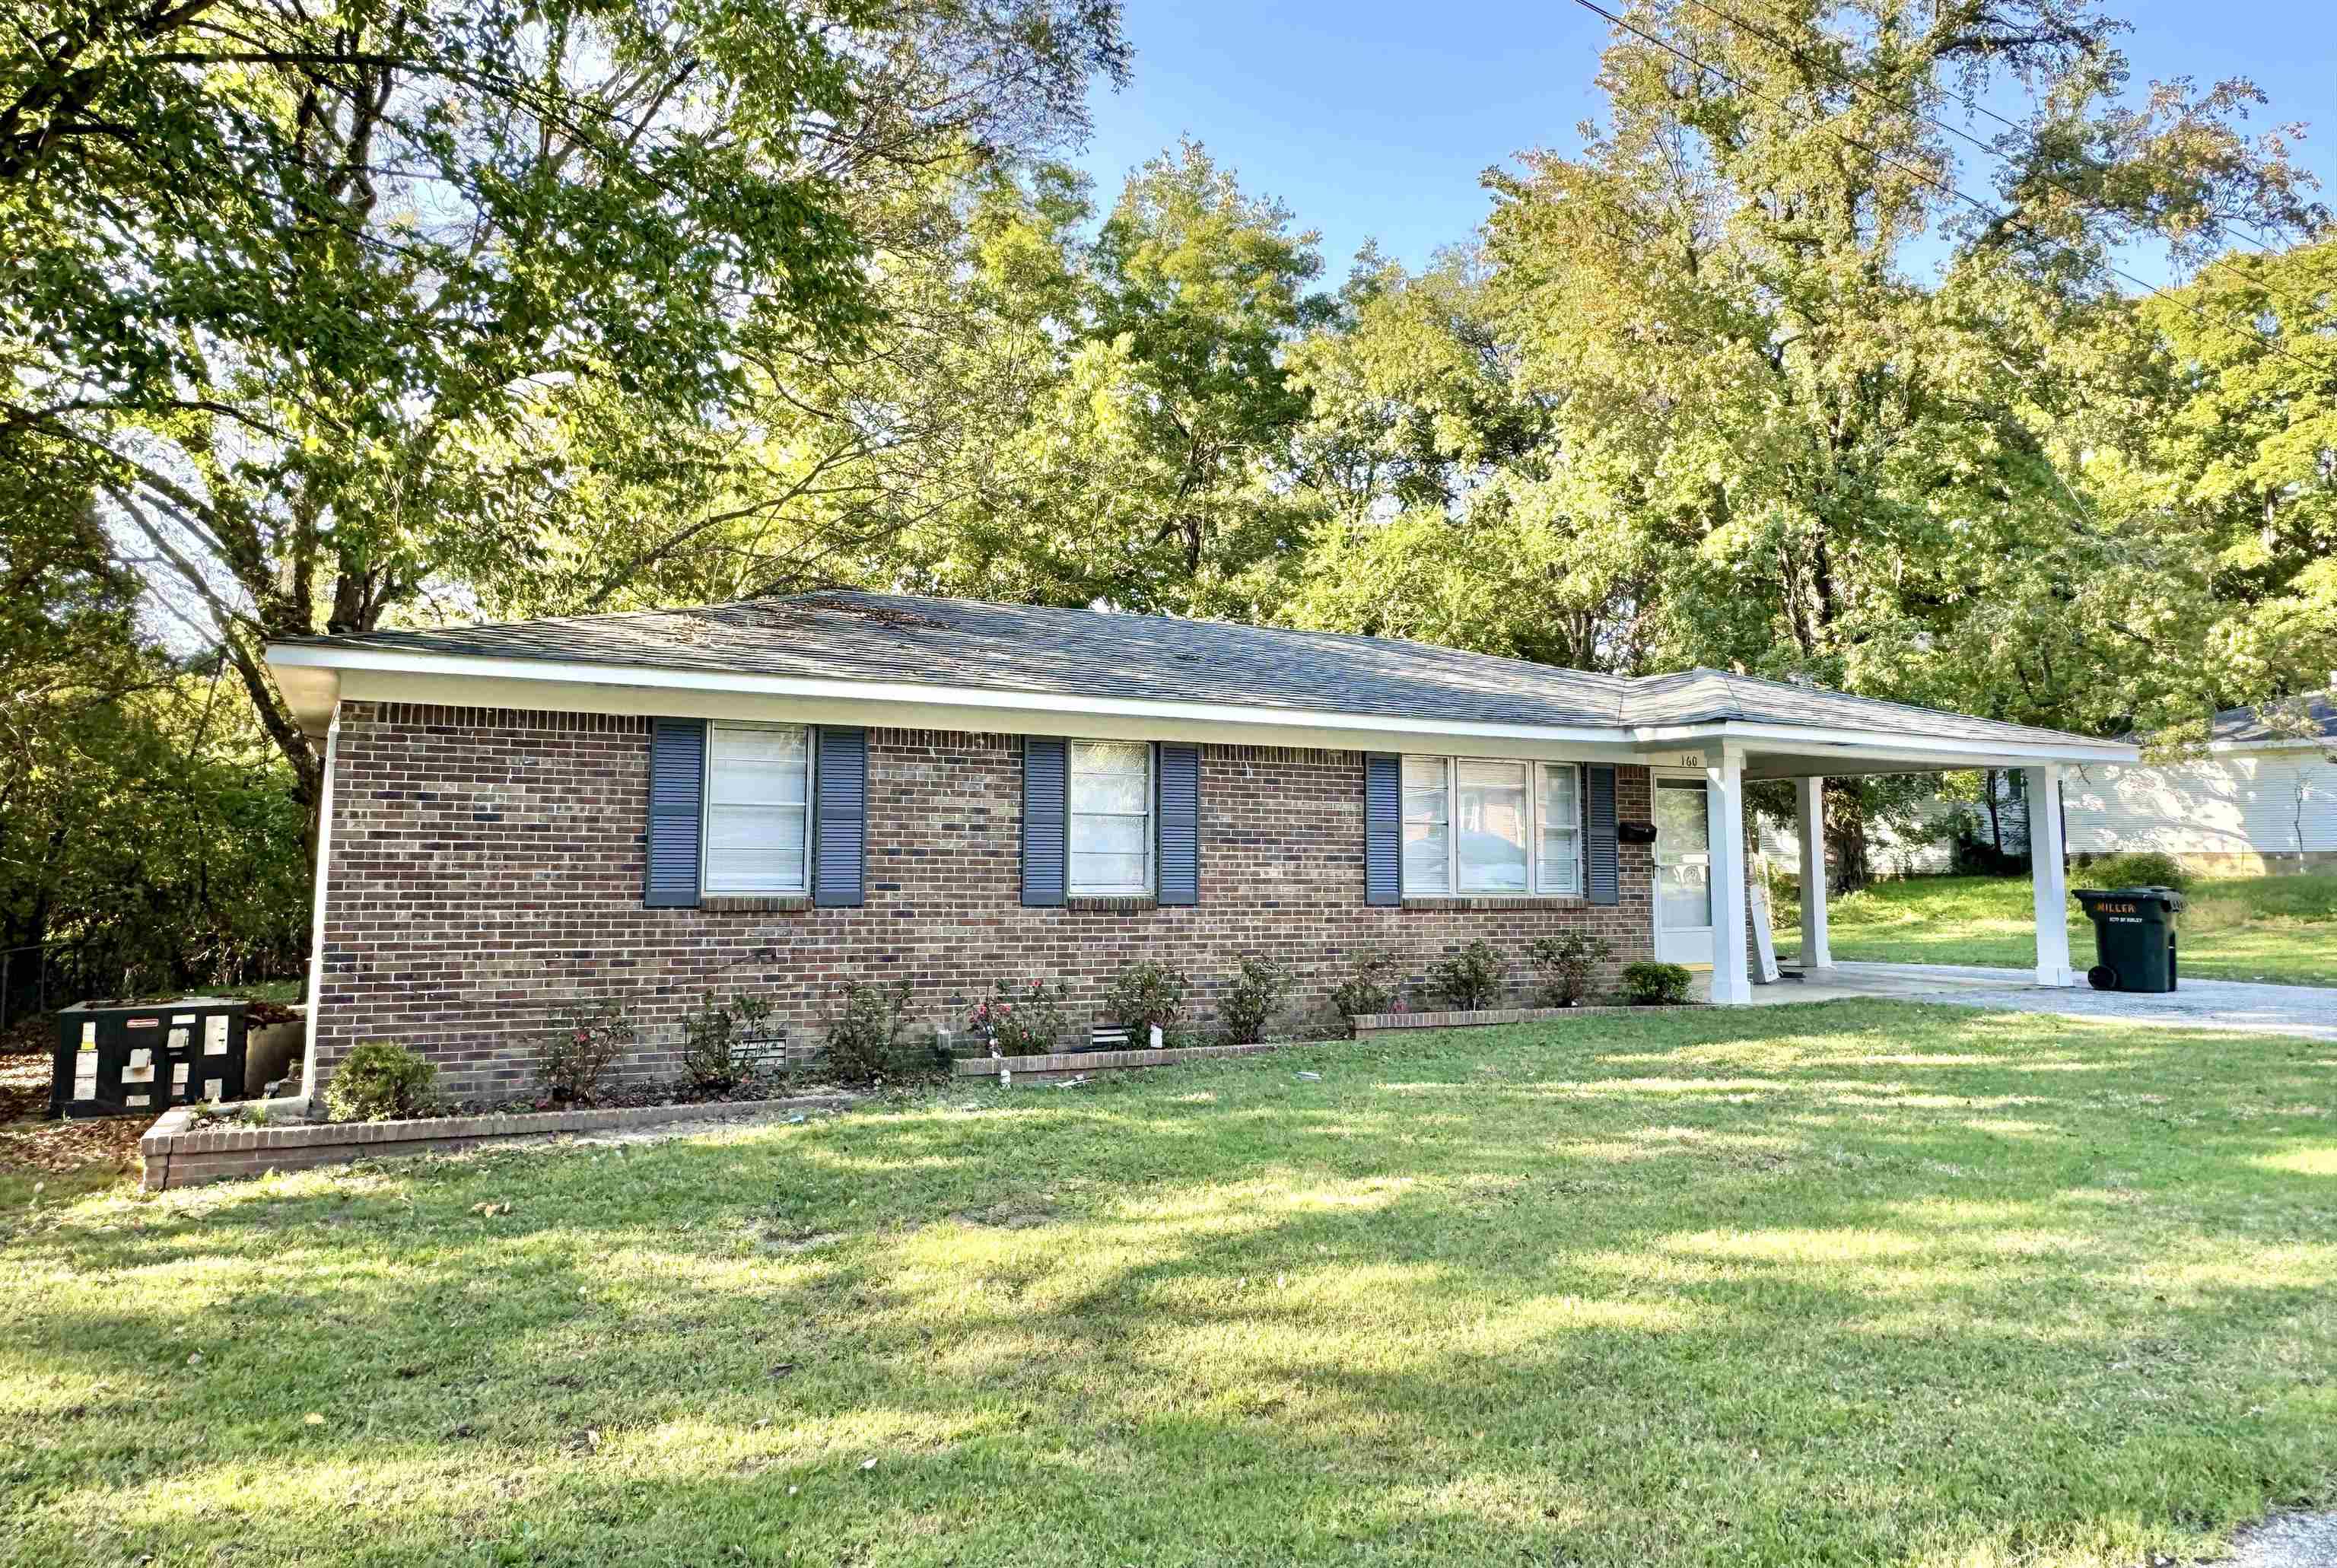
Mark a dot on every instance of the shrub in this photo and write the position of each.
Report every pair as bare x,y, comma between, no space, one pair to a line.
2144,869
1027,1021
585,1040
1648,983
1145,996
1252,1000
1376,987
1472,978
863,1022
1566,964
379,1082
713,1039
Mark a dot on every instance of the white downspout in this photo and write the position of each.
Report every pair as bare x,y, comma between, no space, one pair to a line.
316,910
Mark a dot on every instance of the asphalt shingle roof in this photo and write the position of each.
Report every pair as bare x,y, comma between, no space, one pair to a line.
2297,719
878,637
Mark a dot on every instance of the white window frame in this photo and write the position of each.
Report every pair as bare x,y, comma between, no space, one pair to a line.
707,885
1581,868
1150,834
1452,889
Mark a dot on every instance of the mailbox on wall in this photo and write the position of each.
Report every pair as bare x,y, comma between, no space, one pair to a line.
1635,832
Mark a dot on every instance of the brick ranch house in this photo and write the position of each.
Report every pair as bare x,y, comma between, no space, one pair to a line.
777,794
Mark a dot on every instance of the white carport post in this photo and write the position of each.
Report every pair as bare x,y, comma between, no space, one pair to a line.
2050,883
1724,778
1809,800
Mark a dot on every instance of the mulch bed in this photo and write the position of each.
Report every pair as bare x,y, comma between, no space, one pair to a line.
629,1097
31,1143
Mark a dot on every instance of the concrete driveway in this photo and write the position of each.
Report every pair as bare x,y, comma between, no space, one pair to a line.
2310,1011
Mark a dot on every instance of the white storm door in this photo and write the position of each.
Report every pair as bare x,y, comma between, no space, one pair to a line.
1683,872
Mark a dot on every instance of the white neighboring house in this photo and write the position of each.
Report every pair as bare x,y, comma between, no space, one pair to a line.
1921,854
2260,798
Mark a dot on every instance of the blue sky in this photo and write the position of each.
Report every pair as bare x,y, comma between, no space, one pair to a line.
1370,118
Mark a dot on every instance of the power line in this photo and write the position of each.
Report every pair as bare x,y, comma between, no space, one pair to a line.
1924,175
2229,229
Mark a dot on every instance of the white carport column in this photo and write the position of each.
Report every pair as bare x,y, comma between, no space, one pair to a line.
2052,892
1724,778
1809,800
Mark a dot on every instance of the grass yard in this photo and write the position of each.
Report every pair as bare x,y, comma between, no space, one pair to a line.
1861,1282
2278,928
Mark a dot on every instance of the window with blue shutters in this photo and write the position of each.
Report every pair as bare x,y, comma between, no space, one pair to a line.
756,812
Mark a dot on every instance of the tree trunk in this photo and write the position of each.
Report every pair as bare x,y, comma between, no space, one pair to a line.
1845,832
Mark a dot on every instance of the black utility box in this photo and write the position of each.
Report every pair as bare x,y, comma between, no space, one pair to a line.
122,1058
2133,936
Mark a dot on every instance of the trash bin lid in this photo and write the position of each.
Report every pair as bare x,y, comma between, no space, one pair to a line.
2157,898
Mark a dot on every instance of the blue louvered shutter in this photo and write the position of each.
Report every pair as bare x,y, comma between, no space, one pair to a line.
1383,831
1600,876
1178,817
676,813
840,845
1046,795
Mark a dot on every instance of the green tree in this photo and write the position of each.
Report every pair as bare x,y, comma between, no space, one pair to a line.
1201,288
1042,414
2240,467
298,294
1817,458
1413,393
147,827
1433,463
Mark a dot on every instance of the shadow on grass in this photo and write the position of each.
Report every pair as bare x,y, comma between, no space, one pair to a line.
1861,1282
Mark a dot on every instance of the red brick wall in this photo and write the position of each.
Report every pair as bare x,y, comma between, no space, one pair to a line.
486,867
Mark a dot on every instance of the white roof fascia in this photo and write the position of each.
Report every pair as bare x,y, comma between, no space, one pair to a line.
2279,743
1819,741
377,675
479,680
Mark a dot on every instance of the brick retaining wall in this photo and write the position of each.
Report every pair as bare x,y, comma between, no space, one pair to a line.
179,1151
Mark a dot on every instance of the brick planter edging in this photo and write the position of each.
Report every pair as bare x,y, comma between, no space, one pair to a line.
1367,1024
178,1153
1094,1060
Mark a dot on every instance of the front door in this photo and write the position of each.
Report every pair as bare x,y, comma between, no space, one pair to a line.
1683,872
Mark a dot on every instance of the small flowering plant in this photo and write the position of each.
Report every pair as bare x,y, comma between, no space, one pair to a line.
587,1038
1025,1020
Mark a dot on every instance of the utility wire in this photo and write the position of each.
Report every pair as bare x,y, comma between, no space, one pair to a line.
2228,227
1928,178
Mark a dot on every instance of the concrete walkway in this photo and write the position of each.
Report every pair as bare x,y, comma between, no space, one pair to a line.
2310,1011
2286,1540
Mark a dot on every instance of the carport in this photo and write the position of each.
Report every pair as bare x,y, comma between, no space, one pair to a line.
1731,730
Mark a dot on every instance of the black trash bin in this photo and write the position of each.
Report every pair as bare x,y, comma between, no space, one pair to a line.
2133,936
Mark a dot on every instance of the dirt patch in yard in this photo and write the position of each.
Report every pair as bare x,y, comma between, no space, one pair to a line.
31,1143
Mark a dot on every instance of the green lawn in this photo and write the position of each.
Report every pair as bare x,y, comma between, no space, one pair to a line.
1861,1282
2278,928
